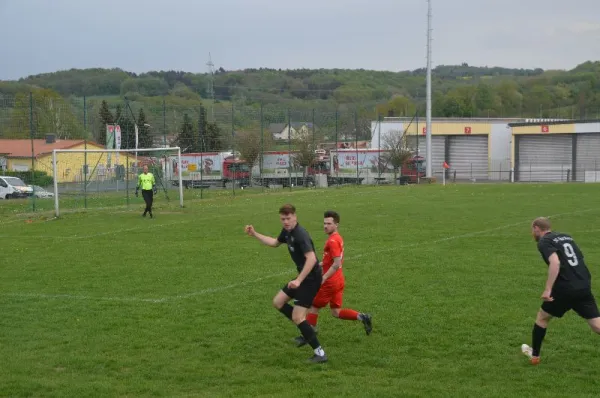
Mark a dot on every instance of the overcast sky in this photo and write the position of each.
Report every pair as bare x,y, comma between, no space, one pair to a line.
39,36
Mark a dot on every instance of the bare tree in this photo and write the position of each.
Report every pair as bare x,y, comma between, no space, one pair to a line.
250,145
397,153
305,155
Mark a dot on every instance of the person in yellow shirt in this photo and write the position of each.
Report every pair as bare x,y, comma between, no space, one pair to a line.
147,183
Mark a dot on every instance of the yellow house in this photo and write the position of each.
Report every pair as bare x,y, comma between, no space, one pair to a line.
22,155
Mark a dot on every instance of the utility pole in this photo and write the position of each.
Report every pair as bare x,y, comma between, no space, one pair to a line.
210,90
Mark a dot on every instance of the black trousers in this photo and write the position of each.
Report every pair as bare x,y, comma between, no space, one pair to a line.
148,196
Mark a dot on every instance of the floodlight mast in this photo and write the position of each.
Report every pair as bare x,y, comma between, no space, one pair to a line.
428,154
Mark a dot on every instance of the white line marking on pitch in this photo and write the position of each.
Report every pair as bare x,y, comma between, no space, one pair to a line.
236,285
116,231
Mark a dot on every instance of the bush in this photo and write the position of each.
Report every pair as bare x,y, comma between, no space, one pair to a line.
40,178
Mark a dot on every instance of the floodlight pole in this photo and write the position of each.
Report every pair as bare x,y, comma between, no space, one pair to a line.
55,178
428,154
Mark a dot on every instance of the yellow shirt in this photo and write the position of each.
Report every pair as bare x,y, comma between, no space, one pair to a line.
146,181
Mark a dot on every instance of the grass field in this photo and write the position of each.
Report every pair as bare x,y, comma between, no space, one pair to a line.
106,303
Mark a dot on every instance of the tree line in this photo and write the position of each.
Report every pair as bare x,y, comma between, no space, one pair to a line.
458,90
176,102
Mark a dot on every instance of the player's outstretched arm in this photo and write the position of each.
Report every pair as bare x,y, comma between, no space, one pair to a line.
265,240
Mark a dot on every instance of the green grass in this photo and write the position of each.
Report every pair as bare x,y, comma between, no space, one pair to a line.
106,303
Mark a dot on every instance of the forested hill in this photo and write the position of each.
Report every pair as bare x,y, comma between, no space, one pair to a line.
459,90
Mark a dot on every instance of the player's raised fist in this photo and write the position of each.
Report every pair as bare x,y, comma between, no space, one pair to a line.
249,230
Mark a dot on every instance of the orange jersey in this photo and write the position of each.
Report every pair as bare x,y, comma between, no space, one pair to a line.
334,247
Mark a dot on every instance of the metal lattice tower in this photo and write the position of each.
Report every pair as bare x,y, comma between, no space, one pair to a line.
211,86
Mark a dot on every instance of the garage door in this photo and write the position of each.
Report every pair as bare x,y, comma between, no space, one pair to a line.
438,150
544,157
468,157
588,154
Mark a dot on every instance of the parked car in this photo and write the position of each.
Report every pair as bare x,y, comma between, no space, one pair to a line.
40,192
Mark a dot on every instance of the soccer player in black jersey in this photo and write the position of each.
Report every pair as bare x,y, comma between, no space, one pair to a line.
306,285
568,285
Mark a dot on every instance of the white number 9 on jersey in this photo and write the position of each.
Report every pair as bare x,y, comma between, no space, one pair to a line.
570,253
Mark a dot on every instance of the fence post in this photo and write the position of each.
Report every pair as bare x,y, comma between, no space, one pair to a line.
164,125
32,149
337,179
313,129
233,145
289,149
127,178
262,147
85,167
379,148
356,145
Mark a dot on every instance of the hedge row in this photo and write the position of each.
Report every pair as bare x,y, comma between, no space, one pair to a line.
40,178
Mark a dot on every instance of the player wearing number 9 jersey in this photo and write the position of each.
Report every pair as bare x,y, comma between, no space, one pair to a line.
568,285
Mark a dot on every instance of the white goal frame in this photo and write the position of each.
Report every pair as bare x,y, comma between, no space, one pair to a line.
55,171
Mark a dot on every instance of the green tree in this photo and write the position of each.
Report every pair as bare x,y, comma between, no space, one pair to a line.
304,155
397,106
118,113
144,137
51,115
202,129
106,117
484,98
127,132
511,99
210,136
539,101
214,137
185,138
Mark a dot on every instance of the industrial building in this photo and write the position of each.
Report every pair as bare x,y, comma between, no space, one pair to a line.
556,151
480,149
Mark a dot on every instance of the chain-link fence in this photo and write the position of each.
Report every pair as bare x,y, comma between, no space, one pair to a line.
226,149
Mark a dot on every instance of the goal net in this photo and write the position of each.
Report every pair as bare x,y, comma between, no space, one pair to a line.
107,178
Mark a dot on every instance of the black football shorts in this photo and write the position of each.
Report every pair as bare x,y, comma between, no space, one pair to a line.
580,301
306,292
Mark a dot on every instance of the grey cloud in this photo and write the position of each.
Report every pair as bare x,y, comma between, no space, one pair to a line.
136,35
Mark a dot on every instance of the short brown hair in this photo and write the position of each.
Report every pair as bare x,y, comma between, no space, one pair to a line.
287,209
332,214
542,223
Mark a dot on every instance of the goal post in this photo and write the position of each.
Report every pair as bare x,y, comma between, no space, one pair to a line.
107,177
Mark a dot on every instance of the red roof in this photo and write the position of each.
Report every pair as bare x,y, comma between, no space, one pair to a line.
22,148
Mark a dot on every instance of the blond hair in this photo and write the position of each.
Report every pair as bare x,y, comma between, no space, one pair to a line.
542,223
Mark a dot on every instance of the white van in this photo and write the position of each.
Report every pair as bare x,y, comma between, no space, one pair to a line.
14,187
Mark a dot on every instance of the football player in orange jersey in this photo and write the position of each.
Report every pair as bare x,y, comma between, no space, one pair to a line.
332,287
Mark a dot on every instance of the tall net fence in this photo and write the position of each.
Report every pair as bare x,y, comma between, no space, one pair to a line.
234,149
